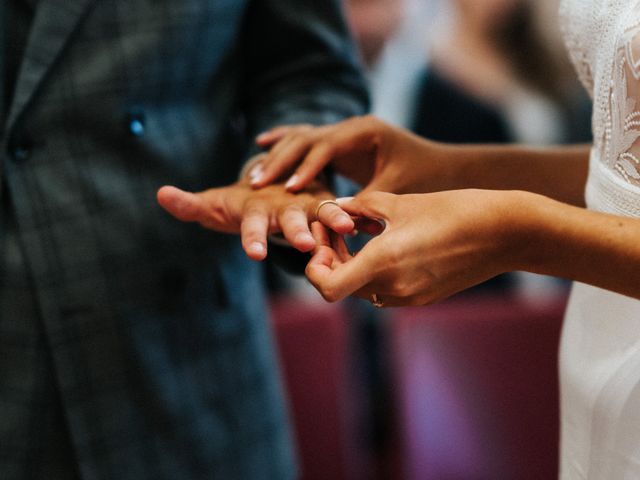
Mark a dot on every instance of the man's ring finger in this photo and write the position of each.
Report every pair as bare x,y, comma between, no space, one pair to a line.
323,203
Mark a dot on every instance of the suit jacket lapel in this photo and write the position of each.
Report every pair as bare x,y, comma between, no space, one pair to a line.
53,24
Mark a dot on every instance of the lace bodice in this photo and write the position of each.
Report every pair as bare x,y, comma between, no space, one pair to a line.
603,37
600,348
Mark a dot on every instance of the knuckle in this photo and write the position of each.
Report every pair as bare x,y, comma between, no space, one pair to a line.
291,212
298,138
253,211
394,256
302,133
400,288
329,294
367,197
308,271
325,288
371,121
325,146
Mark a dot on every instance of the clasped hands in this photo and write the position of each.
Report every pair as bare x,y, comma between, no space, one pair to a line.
426,246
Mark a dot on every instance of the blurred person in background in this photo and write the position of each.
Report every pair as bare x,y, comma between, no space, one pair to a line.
390,35
495,76
373,23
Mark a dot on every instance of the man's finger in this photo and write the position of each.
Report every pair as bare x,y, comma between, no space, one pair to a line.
254,230
216,209
185,206
294,224
332,216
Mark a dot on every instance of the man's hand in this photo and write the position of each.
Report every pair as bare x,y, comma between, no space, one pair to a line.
255,214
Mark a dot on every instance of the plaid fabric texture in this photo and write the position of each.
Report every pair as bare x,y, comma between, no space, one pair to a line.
133,346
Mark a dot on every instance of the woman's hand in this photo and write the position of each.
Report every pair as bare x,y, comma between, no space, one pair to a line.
363,149
434,245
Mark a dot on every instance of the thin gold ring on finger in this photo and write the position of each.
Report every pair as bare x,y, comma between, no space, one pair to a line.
323,203
376,301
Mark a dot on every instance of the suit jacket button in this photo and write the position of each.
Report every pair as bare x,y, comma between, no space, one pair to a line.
20,153
136,124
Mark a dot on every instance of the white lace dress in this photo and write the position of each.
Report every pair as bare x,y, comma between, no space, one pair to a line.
600,350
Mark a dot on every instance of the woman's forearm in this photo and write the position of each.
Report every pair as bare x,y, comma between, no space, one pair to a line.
381,157
558,173
578,244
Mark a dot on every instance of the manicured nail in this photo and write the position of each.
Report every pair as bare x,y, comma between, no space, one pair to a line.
343,200
256,174
292,181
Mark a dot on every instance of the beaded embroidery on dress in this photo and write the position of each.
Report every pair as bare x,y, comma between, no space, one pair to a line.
603,38
600,347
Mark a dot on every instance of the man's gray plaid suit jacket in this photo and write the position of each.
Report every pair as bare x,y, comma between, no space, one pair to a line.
133,346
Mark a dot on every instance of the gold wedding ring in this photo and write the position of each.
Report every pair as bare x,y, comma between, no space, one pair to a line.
323,203
376,301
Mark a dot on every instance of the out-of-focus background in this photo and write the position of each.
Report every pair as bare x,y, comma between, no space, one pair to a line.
467,389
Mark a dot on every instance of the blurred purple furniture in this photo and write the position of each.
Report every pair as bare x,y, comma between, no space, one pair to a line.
312,341
475,388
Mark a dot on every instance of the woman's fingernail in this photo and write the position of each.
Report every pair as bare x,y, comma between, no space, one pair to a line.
291,182
256,173
343,200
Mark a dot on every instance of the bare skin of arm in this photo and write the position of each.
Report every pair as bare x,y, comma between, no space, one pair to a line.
437,244
498,209
386,158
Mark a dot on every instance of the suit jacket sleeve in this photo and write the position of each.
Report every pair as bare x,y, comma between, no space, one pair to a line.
300,67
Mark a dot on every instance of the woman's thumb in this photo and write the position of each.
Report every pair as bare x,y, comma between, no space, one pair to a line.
369,205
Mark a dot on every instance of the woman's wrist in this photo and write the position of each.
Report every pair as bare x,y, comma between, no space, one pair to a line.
534,234
435,167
